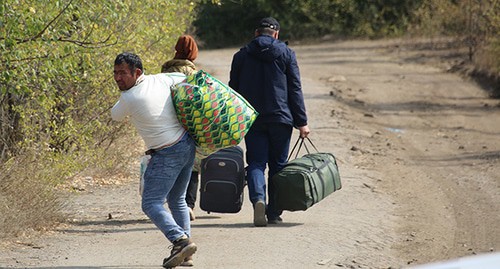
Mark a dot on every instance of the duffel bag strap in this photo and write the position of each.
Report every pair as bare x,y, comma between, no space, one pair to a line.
301,140
293,150
311,145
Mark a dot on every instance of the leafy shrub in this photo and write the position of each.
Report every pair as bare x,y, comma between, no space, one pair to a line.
56,88
476,22
302,19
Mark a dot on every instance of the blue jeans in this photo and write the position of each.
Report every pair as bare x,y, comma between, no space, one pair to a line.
166,179
266,144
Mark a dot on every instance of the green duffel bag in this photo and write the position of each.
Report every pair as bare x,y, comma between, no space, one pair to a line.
305,181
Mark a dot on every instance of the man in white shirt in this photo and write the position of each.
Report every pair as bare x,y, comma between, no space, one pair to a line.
147,101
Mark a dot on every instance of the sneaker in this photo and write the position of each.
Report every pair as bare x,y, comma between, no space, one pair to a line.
181,249
277,220
191,214
188,262
259,214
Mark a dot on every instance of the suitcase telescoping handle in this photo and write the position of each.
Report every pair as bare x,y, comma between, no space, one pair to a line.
301,140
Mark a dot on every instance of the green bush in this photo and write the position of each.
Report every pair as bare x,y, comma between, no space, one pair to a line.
307,19
56,86
475,24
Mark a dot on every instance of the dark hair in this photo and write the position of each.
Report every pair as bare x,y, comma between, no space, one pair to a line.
131,59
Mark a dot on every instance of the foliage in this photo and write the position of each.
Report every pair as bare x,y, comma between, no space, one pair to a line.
52,81
55,95
491,56
303,19
477,22
56,86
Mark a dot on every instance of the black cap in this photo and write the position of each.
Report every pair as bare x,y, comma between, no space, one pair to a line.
269,22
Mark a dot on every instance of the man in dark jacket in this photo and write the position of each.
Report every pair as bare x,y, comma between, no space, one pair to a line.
265,72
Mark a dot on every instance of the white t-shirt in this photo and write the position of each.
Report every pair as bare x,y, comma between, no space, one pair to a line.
149,105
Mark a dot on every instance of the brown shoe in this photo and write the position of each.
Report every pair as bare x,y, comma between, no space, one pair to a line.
181,249
188,262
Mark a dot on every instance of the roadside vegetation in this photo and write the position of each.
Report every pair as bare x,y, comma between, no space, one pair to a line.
56,89
56,84
471,27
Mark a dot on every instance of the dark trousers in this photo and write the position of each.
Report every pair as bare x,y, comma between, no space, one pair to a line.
266,145
192,190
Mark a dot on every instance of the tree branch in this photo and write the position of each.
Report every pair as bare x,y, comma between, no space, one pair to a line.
48,25
87,44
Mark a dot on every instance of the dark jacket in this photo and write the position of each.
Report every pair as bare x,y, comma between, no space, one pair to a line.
265,72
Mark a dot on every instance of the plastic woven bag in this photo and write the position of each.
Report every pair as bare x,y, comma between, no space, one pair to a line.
215,115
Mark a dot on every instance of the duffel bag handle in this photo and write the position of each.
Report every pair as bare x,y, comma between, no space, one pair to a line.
301,140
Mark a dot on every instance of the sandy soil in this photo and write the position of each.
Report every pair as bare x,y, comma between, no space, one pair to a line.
419,156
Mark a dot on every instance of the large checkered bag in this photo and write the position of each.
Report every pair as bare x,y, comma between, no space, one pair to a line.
215,115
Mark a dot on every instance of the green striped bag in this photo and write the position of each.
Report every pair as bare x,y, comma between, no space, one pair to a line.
215,115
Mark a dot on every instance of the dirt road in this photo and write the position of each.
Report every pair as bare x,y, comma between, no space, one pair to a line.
419,156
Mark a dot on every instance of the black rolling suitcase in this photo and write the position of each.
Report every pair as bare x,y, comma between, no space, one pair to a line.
222,181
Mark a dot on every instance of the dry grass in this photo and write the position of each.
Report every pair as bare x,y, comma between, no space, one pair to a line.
118,165
28,203
34,187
